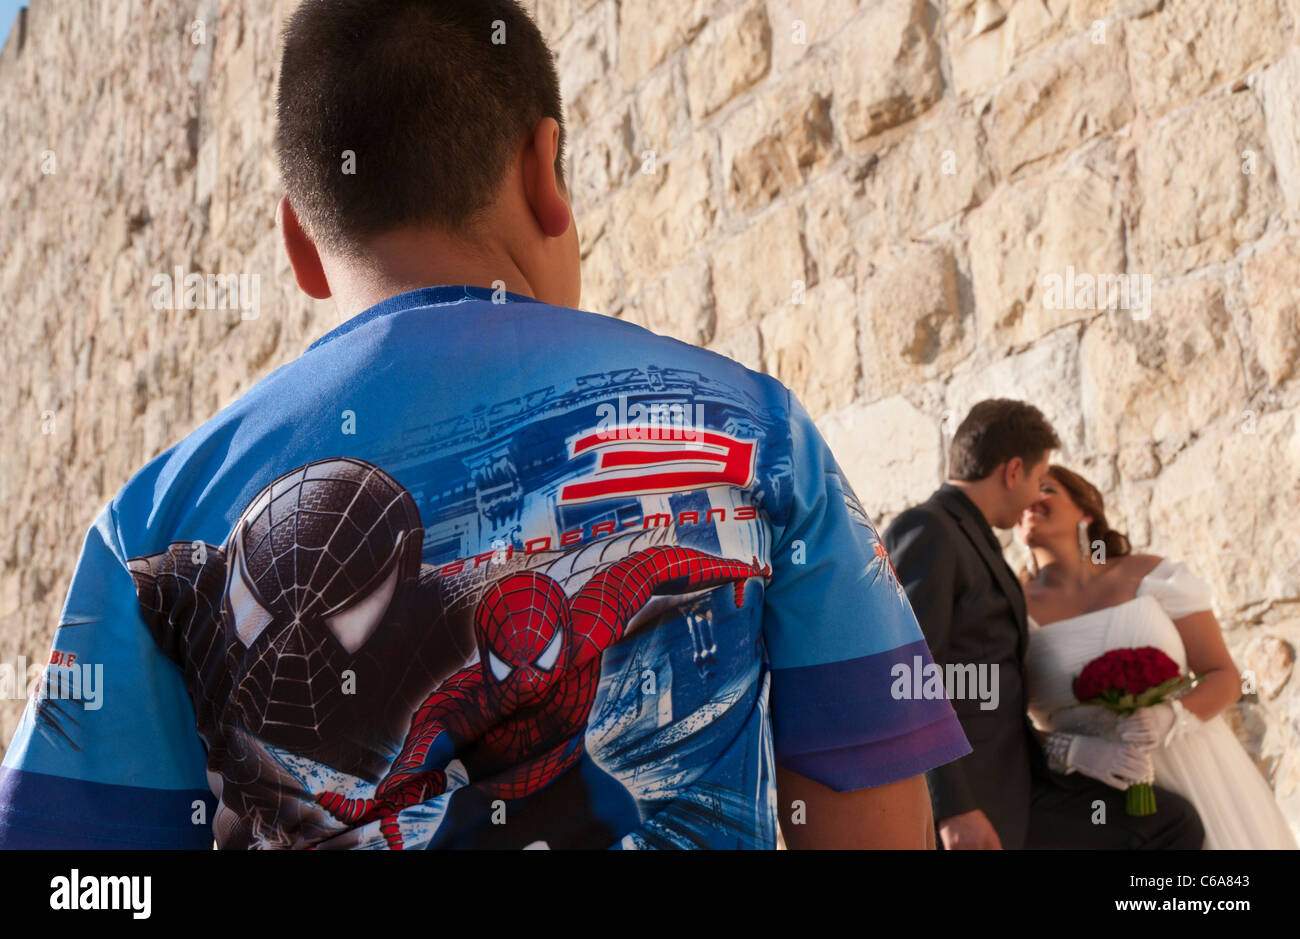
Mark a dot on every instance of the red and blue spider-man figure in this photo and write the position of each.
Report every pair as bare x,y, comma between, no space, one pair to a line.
517,717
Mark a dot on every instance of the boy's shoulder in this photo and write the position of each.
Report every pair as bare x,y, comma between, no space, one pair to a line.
563,347
626,330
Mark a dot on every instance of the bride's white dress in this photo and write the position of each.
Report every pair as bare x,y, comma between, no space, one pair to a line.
1207,765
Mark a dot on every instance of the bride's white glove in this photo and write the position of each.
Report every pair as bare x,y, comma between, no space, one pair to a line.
1118,765
1156,726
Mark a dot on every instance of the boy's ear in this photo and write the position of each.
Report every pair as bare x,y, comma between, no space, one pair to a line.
542,185
303,256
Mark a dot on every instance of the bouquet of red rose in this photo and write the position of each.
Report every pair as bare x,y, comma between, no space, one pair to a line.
1123,680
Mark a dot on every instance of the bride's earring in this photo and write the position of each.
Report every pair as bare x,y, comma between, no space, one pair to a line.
1084,549
1033,564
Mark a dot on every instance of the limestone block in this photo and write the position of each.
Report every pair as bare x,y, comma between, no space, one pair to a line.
680,304
759,269
810,346
1028,238
1271,659
662,120
911,325
601,291
730,55
587,62
646,37
1242,545
553,18
772,143
799,26
890,452
1281,95
1046,375
937,172
1055,103
840,222
888,69
1170,375
988,38
1138,461
1205,185
1270,280
664,215
601,159
743,345
1192,46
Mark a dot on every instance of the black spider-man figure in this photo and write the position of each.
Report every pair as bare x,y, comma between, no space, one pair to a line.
317,592
516,718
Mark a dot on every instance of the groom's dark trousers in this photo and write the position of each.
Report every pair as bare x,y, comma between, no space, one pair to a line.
972,611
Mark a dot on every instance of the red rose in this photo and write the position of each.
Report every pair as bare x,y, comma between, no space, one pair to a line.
1129,671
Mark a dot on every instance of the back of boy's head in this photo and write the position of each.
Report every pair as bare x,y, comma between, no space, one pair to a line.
433,98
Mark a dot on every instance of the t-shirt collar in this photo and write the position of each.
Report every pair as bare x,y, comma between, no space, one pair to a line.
439,295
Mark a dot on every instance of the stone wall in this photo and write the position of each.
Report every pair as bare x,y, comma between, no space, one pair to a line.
888,204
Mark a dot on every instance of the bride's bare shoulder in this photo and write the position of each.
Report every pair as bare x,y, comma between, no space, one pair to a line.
1140,565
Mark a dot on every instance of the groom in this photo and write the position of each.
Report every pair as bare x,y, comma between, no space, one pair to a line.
972,611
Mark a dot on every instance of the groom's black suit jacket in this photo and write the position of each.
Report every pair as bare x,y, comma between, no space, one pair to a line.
972,610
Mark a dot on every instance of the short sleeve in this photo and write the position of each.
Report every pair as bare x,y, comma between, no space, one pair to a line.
106,754
843,643
1178,590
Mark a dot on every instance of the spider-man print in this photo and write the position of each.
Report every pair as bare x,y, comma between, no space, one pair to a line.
319,582
516,717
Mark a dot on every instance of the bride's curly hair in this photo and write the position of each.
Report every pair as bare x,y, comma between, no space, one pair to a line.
1088,498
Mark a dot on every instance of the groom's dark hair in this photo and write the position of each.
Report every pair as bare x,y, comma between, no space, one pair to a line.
995,431
407,112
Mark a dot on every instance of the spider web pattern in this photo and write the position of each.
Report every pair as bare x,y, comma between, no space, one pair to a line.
532,605
317,540
179,600
323,535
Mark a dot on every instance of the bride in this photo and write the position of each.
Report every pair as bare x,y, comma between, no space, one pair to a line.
1087,594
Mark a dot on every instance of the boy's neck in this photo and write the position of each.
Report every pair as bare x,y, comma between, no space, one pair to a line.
402,261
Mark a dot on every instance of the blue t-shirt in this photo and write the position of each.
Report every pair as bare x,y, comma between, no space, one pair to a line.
475,574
